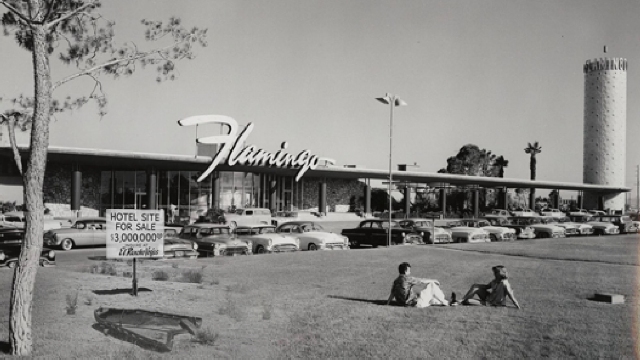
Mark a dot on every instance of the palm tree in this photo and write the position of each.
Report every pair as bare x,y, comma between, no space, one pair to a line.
533,150
501,163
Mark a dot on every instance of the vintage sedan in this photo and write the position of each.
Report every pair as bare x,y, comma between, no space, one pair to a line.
10,247
599,228
265,239
215,240
623,222
496,233
522,231
313,236
89,231
375,232
581,229
460,233
175,248
523,212
500,212
570,229
553,213
426,229
16,219
541,230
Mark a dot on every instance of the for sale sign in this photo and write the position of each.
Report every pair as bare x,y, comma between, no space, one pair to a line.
135,233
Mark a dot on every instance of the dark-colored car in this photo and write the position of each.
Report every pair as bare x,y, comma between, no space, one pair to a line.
375,233
623,222
425,228
11,244
215,240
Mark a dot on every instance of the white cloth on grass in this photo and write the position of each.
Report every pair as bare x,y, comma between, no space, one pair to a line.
431,295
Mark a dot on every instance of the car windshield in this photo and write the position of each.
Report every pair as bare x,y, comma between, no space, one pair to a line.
311,227
482,224
454,223
214,231
423,224
385,224
79,225
267,230
239,211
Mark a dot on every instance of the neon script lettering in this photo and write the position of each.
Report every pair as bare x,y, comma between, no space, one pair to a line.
249,155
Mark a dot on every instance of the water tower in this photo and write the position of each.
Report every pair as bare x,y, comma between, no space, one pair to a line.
605,129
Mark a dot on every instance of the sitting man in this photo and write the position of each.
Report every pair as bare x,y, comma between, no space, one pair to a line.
402,290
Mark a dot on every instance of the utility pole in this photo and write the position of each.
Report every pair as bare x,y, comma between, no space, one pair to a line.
638,189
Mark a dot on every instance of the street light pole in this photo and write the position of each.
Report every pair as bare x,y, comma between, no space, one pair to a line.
392,101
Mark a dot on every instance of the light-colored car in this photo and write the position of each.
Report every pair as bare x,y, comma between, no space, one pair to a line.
557,213
582,229
266,240
250,216
523,212
312,236
284,216
16,219
461,233
599,228
426,229
174,247
496,233
89,231
215,240
499,212
570,229
541,229
522,231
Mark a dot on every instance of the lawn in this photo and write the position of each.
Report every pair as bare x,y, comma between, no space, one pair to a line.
330,304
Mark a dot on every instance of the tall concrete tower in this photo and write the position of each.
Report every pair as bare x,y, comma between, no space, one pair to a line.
605,129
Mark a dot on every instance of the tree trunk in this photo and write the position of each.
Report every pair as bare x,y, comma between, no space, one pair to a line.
25,273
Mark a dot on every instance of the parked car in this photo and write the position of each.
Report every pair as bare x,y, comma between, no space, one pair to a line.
623,222
541,230
313,236
90,231
523,212
496,233
599,228
215,240
570,229
16,219
466,234
11,245
499,212
280,217
374,232
250,216
597,212
553,213
522,231
426,229
266,240
174,247
582,228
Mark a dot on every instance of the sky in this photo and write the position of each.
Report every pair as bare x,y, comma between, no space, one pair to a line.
498,74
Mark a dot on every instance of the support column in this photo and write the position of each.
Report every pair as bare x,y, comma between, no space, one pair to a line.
476,203
443,200
580,204
367,197
556,200
152,180
76,187
532,199
407,201
322,201
273,187
215,197
504,198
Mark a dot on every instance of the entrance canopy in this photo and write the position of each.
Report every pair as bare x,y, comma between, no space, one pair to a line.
123,160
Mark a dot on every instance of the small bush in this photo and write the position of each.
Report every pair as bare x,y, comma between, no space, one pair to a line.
159,275
72,304
127,274
108,269
215,282
174,265
190,276
206,337
88,301
231,309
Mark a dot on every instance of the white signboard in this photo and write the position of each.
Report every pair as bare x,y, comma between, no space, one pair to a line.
135,233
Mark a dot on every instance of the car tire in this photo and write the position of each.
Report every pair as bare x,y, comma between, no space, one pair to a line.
12,264
354,244
66,244
313,247
233,225
493,238
260,249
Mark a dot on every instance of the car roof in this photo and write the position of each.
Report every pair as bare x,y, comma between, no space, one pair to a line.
299,222
91,218
207,225
416,219
254,226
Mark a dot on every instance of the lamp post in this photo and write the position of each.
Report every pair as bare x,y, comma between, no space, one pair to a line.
392,101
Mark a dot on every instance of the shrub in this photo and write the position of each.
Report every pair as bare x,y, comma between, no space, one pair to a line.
127,274
72,304
159,275
190,276
108,269
206,337
215,282
174,265
231,309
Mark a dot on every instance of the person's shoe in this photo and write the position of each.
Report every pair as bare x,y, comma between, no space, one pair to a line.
454,303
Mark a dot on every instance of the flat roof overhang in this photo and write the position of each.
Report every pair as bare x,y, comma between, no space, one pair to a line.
126,160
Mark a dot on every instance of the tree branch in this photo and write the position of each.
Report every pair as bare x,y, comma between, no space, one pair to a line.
15,11
11,121
69,15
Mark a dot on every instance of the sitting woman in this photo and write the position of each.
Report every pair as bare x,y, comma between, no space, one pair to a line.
494,293
402,290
